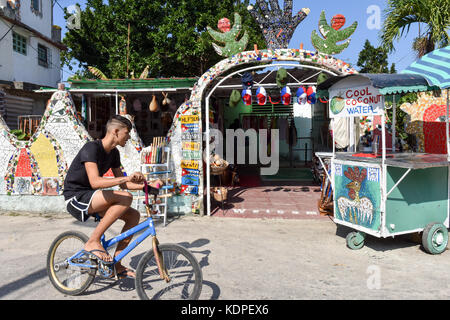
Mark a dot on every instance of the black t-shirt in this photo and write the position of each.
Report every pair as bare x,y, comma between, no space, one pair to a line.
93,151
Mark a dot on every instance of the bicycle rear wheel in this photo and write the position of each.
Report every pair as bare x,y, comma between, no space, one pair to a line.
183,269
70,280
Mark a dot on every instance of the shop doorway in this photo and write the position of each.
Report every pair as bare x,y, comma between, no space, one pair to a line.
299,123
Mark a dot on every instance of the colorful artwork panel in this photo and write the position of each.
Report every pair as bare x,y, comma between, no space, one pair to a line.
357,197
22,185
50,187
23,168
45,156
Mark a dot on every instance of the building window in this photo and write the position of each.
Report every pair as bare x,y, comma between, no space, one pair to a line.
43,55
35,5
19,43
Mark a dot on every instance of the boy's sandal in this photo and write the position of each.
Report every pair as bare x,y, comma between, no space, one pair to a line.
94,256
124,274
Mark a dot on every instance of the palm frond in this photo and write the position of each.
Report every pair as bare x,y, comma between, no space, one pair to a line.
96,72
400,15
144,73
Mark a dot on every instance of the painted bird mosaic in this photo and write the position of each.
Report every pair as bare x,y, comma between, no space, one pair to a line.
359,209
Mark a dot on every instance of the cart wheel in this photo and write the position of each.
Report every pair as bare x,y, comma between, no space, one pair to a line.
435,238
355,240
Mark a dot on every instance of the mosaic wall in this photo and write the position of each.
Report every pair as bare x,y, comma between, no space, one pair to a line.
193,106
427,122
38,166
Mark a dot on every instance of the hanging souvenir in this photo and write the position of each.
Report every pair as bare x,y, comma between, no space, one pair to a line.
137,105
301,95
122,106
282,77
247,97
166,100
153,107
235,97
247,81
311,95
286,96
261,96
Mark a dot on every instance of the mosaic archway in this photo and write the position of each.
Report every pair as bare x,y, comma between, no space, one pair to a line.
193,106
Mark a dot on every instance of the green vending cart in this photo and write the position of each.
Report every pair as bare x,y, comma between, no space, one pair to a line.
385,193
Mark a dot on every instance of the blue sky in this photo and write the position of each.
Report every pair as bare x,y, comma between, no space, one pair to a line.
363,11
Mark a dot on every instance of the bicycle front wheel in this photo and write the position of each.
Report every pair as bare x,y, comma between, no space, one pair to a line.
183,270
68,279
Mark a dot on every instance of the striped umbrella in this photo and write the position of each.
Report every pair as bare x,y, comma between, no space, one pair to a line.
434,66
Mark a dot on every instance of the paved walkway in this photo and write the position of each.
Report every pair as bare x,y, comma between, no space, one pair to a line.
285,201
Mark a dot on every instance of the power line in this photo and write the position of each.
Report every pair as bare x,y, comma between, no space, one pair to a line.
58,4
12,26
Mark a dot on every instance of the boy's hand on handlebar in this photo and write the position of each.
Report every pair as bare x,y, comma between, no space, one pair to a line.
137,177
157,183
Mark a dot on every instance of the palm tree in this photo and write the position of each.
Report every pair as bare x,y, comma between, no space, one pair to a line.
400,15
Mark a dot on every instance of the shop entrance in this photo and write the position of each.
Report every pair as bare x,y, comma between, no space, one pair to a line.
299,117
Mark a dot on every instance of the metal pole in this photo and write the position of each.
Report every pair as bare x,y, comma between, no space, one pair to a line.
447,128
208,169
117,103
383,135
394,119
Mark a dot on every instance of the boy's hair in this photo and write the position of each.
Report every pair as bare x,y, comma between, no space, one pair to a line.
118,122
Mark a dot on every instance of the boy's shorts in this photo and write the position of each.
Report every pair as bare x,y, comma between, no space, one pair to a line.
77,204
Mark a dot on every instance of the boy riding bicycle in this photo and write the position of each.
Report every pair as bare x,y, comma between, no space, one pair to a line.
84,181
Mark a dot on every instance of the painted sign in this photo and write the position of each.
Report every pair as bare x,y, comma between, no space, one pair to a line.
189,145
190,127
189,190
355,102
189,164
189,135
185,172
357,197
192,155
189,119
190,180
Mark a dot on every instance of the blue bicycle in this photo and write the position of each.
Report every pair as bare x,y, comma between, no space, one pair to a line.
168,271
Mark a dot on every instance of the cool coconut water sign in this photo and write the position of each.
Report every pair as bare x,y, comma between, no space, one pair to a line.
355,102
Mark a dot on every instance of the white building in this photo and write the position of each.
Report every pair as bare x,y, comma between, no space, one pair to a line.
29,56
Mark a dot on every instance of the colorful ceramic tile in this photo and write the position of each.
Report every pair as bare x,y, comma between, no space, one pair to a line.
23,168
50,187
45,156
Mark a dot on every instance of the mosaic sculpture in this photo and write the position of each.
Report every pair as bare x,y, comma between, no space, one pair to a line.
193,105
277,25
229,36
427,122
39,165
332,34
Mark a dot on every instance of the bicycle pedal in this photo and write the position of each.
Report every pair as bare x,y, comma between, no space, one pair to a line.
106,270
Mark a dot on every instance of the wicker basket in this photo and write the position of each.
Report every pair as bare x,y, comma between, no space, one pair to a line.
216,170
219,193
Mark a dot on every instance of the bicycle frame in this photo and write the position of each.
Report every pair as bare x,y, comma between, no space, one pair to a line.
146,225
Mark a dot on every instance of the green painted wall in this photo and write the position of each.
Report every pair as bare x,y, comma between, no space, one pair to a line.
421,198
